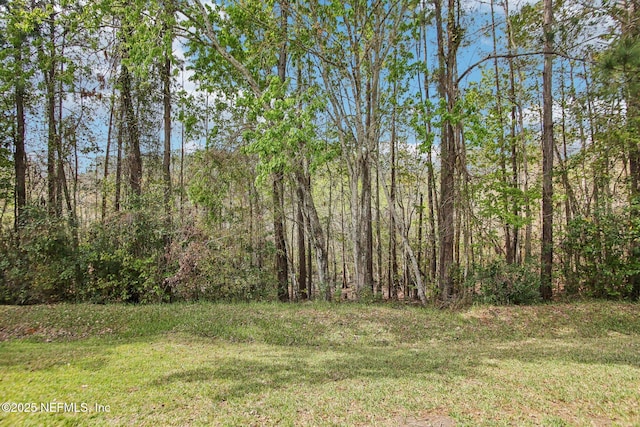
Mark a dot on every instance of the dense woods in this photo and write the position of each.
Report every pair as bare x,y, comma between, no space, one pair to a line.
429,150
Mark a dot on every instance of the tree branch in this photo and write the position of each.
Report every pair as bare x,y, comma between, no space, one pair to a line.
226,55
513,55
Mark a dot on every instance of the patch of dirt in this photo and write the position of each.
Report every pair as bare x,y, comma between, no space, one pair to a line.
48,334
428,421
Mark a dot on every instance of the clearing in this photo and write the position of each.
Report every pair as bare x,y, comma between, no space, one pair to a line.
319,364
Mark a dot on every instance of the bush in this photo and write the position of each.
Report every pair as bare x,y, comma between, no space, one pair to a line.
38,264
222,268
505,284
124,259
606,247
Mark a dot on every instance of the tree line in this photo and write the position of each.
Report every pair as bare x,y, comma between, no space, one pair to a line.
429,150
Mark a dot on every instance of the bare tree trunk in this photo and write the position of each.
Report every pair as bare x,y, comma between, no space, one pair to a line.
327,236
570,203
597,178
282,269
20,157
281,263
517,123
367,253
317,234
393,255
206,132
119,141
302,247
378,282
508,244
345,279
165,75
420,227
407,247
431,184
133,135
71,206
166,158
49,79
106,156
448,91
546,253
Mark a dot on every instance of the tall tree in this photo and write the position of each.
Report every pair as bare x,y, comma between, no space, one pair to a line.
353,42
13,46
165,71
282,265
546,253
278,142
449,38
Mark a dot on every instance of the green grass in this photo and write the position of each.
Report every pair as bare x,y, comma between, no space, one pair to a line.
320,364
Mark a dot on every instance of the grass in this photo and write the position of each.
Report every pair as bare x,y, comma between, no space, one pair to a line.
320,364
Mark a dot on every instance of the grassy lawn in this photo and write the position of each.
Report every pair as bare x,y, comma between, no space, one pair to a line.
319,364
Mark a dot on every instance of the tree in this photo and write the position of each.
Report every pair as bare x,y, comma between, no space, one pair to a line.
353,42
449,39
16,32
546,253
167,19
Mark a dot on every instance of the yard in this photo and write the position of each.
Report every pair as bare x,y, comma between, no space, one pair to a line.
320,364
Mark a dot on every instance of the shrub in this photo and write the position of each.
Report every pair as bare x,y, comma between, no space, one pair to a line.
606,247
221,267
38,264
505,284
124,259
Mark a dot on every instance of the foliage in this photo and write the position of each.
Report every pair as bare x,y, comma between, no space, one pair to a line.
123,259
126,258
286,130
217,174
6,173
225,267
38,264
506,284
607,246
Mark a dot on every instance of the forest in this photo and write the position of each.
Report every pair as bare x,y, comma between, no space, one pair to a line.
433,151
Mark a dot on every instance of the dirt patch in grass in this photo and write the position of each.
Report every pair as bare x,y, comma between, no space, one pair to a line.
427,421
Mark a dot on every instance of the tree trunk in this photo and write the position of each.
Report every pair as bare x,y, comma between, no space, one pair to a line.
448,91
165,75
420,230
302,248
317,235
508,243
546,253
281,263
393,254
106,156
20,157
133,135
431,183
119,141
407,247
49,79
378,281
166,158
282,269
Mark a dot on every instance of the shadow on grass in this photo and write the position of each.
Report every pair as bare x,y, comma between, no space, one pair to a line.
34,356
290,366
240,376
